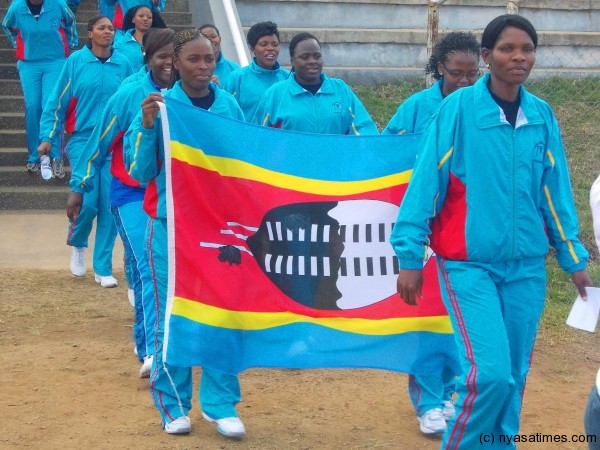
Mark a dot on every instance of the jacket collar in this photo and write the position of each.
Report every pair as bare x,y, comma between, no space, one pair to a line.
178,93
89,57
46,6
489,114
296,89
256,68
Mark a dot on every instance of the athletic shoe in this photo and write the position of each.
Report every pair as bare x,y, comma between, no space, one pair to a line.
432,422
32,167
78,261
58,168
231,427
106,282
131,297
449,411
45,169
146,367
181,425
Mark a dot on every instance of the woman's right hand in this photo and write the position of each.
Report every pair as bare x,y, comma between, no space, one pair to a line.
74,203
409,285
44,149
150,109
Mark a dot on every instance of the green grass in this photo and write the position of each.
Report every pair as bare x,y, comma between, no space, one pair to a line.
576,104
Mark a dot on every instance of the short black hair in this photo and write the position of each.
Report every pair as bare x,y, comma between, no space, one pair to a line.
497,26
455,42
304,36
259,30
154,40
209,25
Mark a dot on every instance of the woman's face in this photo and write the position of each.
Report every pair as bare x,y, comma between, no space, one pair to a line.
102,33
212,34
196,64
460,70
512,57
307,62
142,20
266,51
161,64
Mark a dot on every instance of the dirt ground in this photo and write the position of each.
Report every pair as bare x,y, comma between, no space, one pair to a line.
69,379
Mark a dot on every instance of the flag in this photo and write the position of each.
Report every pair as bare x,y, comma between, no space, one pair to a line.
279,251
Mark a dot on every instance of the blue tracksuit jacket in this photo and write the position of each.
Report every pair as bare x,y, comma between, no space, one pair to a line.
129,47
223,68
472,201
249,83
415,113
334,109
146,164
81,93
52,36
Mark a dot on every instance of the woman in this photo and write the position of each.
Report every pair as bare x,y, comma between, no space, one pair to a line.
489,189
126,194
43,34
454,63
89,78
224,66
137,22
122,6
310,101
171,387
249,83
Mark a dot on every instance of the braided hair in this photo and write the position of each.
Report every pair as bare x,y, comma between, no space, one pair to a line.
304,36
180,39
455,42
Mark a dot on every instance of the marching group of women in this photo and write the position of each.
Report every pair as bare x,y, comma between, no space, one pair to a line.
489,190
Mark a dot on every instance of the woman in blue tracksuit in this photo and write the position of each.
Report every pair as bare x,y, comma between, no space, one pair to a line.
122,6
127,194
137,22
310,101
489,191
89,78
224,66
249,83
43,34
171,387
454,63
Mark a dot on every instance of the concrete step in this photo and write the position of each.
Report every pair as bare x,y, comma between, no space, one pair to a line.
13,138
17,176
13,103
7,56
13,156
9,71
10,120
10,87
22,198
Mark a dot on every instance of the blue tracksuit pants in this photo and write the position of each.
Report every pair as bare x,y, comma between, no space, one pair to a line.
37,80
495,310
430,391
96,204
170,386
131,221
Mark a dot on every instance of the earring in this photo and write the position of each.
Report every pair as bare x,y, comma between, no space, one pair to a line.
488,66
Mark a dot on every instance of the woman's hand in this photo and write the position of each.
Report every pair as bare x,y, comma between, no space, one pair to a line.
150,109
582,279
409,285
44,149
74,205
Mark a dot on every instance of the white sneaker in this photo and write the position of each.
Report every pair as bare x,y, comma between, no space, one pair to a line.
448,412
146,367
181,425
78,261
432,422
106,282
231,427
131,297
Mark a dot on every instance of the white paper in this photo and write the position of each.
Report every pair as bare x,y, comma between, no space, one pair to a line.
584,314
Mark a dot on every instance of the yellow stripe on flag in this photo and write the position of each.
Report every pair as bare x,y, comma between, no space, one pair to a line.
228,167
253,321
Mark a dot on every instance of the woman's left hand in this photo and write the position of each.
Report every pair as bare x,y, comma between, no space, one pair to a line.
582,279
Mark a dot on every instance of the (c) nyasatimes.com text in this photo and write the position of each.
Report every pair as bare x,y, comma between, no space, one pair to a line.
491,438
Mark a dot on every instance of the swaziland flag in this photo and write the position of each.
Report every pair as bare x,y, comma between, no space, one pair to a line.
279,252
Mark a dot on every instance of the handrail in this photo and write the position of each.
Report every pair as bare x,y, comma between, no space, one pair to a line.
238,41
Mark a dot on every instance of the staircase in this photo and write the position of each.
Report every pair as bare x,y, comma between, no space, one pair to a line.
20,190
